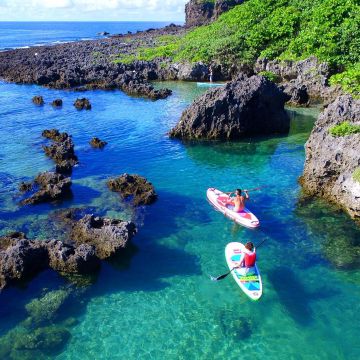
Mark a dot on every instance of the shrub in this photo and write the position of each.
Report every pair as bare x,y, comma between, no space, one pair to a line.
349,80
356,174
343,129
270,76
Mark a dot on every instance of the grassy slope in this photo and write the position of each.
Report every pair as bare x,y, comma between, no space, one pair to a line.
283,29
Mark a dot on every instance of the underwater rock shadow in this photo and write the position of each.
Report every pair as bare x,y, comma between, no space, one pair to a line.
44,208
147,271
165,216
13,299
338,235
217,153
293,295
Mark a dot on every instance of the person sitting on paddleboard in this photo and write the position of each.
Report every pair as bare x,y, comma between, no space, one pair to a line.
239,200
248,258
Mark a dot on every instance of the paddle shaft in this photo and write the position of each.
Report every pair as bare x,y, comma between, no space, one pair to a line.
235,267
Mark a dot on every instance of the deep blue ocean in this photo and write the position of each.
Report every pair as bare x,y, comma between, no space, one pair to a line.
157,302
24,34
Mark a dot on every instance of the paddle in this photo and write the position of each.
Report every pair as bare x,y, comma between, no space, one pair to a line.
258,188
229,272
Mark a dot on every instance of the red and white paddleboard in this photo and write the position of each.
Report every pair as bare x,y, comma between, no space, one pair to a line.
219,200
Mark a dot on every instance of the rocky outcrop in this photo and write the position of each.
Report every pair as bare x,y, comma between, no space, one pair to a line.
21,258
134,187
89,64
82,104
303,80
57,103
332,160
38,100
61,150
246,106
49,186
97,143
108,236
200,12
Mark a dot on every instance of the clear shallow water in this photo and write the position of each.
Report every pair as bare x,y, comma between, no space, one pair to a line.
24,34
160,303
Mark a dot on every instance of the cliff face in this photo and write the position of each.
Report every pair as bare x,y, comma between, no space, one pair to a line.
331,161
200,12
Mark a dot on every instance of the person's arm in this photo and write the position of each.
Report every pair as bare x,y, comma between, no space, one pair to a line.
247,197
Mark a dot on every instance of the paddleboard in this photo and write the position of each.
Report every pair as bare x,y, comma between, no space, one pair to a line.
250,283
209,84
245,218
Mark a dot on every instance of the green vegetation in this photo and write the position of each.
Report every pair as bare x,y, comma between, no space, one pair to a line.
349,80
284,29
270,75
281,29
343,129
356,174
166,45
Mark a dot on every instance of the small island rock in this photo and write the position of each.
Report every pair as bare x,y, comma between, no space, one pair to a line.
38,100
57,103
136,187
97,143
51,187
82,104
246,106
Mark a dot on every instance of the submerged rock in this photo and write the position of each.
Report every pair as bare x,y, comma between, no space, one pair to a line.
108,236
246,106
48,339
38,100
97,143
332,161
50,186
135,187
45,308
40,343
82,104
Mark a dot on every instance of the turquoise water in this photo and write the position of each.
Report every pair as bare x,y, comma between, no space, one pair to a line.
158,302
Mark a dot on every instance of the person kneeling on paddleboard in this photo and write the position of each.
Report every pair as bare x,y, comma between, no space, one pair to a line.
238,201
247,259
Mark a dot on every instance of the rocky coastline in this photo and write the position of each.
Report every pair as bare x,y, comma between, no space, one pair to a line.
91,239
332,160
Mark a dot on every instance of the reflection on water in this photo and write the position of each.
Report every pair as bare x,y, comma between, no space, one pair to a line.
156,301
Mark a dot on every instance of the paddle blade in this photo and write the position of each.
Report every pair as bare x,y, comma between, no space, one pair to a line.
219,277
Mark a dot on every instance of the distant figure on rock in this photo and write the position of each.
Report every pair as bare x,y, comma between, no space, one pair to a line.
211,75
237,203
